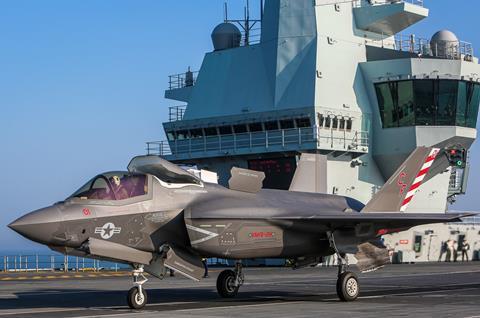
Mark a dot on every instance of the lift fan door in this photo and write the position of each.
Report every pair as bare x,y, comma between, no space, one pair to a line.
185,263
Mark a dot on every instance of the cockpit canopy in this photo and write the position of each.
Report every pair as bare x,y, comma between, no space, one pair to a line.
162,169
116,185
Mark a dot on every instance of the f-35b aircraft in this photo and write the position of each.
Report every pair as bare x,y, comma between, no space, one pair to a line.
158,216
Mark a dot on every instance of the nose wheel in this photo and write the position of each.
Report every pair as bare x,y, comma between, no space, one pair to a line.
228,282
137,295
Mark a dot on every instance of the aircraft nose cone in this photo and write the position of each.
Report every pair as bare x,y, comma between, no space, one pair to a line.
40,226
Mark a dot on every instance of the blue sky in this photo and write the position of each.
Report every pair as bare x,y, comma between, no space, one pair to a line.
82,84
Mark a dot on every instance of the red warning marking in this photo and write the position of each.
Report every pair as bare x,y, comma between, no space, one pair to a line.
382,232
419,178
423,171
415,186
400,182
407,200
261,234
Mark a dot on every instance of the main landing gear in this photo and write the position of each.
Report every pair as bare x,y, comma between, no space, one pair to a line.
348,287
137,295
228,282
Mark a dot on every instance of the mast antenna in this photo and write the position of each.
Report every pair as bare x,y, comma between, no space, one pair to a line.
246,24
261,10
225,13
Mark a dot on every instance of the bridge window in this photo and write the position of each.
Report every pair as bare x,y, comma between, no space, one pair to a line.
182,134
225,130
271,125
335,123
196,133
349,124
287,124
253,127
303,122
171,135
211,131
240,129
428,103
424,104
321,120
328,122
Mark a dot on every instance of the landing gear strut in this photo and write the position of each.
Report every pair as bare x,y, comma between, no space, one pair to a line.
137,295
348,287
228,282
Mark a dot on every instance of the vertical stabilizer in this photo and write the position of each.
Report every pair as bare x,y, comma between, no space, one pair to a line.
399,190
311,174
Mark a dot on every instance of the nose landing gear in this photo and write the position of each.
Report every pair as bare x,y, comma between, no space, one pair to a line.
137,295
228,282
348,287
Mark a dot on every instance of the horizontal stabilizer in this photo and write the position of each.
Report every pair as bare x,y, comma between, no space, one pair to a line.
246,180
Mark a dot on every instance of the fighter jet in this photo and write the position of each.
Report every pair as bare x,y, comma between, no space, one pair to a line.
158,216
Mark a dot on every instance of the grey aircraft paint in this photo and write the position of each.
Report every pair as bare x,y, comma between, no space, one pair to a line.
177,219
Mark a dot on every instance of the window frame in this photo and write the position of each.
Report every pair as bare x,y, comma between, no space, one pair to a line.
425,115
139,198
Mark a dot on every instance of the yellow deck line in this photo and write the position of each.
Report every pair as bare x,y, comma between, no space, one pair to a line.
82,275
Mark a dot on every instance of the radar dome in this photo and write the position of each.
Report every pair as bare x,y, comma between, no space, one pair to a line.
445,44
226,36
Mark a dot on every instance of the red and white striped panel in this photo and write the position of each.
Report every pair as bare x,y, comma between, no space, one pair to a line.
419,178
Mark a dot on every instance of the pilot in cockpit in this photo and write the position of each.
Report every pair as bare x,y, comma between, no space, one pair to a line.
119,190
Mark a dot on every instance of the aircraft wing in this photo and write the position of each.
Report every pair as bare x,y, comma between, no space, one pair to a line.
381,222
383,217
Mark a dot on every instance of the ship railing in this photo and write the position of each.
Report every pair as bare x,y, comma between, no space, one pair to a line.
175,113
423,47
160,148
54,262
335,140
456,181
254,36
182,80
358,3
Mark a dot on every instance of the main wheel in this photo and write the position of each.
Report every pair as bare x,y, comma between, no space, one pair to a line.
135,299
348,288
226,284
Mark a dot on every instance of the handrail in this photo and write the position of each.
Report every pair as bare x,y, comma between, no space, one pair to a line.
175,113
420,3
182,80
54,262
422,46
345,140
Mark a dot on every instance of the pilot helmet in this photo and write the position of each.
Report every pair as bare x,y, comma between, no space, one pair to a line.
115,180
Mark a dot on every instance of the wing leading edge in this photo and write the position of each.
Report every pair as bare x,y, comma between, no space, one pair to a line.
379,222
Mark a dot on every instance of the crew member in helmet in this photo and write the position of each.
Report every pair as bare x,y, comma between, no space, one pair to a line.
118,189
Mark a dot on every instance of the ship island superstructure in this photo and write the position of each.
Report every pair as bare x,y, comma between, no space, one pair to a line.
336,78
